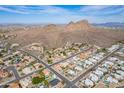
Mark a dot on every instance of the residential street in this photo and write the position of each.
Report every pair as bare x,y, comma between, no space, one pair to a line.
69,83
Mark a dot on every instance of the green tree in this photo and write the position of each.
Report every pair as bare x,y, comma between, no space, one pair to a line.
40,79
1,55
64,53
46,83
37,80
49,61
42,75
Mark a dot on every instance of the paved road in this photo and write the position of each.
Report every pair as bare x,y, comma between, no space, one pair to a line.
46,66
70,57
91,68
14,71
51,69
68,82
19,78
12,68
8,82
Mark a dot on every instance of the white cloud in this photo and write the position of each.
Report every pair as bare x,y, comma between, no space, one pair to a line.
98,10
35,10
93,7
12,10
53,13
52,9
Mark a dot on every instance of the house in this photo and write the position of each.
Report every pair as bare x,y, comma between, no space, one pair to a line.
113,47
101,53
118,77
42,86
28,70
55,76
93,77
38,65
25,82
14,85
120,72
105,65
80,63
113,59
71,72
46,72
102,69
64,64
120,53
29,58
96,58
111,80
16,53
15,45
88,62
76,58
83,55
59,85
99,73
101,84
85,65
92,60
109,63
4,73
122,68
88,83
58,67
79,68
121,62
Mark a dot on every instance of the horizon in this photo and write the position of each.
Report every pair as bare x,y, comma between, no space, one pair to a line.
55,23
60,14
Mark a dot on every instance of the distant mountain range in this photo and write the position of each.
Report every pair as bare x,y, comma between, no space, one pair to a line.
110,24
107,24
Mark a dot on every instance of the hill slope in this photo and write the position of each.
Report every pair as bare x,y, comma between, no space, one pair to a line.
57,35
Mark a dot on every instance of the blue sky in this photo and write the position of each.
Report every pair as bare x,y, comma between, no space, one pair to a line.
61,13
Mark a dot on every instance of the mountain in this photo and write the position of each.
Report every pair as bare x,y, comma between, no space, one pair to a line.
80,25
111,24
53,35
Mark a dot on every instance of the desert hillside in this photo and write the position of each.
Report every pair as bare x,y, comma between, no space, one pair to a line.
57,35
